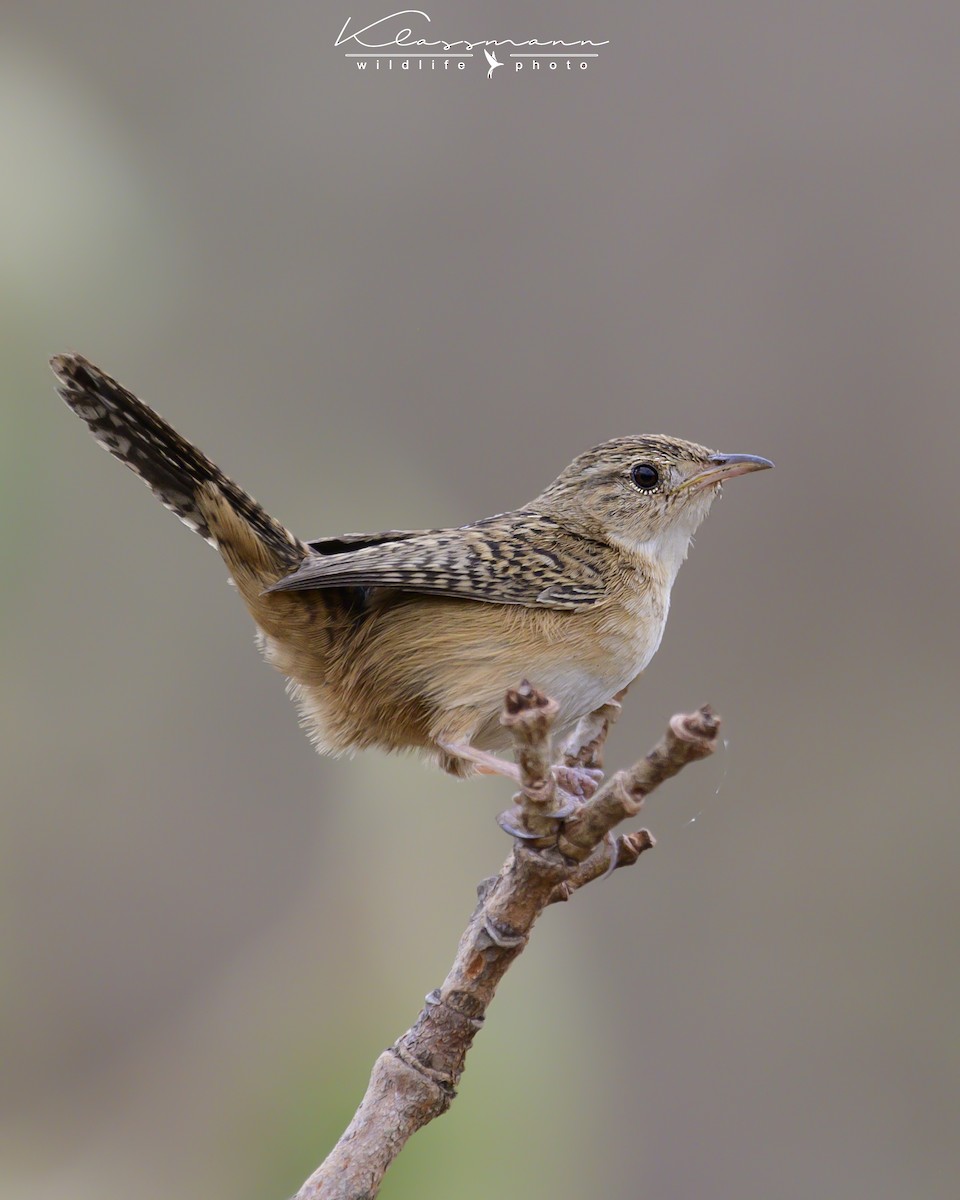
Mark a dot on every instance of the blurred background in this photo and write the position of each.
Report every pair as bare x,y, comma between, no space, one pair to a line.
384,300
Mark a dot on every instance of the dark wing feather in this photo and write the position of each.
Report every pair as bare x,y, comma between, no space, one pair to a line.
518,558
345,542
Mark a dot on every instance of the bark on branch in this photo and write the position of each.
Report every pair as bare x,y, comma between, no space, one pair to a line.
558,847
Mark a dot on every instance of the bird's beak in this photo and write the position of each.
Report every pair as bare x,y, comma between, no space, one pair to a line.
726,466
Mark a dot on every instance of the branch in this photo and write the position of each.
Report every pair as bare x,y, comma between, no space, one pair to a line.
560,845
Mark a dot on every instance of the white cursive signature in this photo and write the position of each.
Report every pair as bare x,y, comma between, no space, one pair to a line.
405,40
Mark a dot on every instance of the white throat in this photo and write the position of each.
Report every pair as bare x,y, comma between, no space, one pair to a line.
665,550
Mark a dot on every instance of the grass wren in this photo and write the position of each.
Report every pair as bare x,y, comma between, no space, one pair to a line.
408,640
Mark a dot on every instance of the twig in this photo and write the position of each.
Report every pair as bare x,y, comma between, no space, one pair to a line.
556,852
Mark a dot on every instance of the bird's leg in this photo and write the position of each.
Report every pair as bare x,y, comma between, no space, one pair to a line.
579,783
485,762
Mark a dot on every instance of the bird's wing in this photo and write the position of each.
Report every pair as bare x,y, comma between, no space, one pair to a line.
491,58
519,558
345,542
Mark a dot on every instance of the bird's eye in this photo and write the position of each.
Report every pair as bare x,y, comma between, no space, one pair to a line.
645,476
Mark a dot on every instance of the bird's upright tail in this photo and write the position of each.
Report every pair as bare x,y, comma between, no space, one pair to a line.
257,549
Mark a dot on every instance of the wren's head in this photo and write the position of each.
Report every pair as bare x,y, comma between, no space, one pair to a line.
646,494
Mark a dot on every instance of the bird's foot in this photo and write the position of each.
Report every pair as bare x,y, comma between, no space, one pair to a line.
581,782
575,783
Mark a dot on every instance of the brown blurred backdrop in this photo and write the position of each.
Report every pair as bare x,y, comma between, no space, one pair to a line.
387,300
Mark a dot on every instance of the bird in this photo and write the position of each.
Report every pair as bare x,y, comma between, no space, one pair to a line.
408,640
493,61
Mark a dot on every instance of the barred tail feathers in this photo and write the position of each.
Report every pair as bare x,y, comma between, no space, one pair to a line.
181,477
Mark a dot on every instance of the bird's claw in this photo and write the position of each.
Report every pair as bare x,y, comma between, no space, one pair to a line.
581,782
513,821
